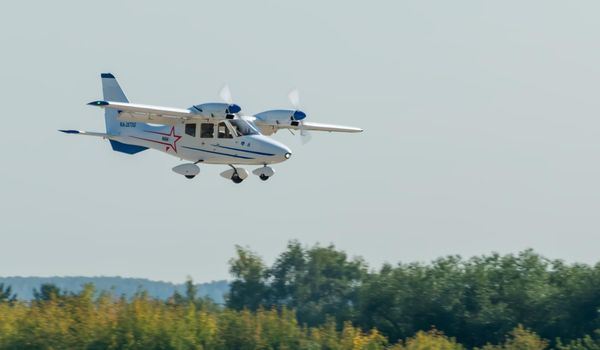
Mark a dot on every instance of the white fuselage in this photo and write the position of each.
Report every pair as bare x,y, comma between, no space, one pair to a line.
219,142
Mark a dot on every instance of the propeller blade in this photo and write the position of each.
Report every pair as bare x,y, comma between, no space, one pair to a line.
225,94
294,97
305,135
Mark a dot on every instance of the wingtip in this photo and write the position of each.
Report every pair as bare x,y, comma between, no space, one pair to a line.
107,75
70,131
98,103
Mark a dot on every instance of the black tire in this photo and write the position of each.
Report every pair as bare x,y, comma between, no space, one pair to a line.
263,177
190,176
236,179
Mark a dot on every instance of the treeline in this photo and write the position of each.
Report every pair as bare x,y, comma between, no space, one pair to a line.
23,286
55,320
319,298
477,301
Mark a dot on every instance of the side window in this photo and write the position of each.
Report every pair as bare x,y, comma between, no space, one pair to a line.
242,127
224,132
190,129
207,130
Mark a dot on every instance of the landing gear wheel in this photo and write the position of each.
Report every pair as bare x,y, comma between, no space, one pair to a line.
236,178
189,170
234,174
264,173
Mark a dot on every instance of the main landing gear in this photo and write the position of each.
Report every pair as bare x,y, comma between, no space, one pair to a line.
189,170
237,175
236,178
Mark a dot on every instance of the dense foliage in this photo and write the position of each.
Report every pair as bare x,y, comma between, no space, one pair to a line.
80,321
477,301
319,298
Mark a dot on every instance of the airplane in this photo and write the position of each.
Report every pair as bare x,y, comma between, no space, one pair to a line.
207,133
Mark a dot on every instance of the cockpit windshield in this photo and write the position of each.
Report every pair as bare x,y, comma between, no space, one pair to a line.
242,127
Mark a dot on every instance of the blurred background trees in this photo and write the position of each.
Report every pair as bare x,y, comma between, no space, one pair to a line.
477,300
6,294
320,298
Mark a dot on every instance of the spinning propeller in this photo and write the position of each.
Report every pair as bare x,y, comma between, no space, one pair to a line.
298,116
225,95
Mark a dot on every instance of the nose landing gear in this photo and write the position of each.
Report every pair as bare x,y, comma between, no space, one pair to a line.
264,173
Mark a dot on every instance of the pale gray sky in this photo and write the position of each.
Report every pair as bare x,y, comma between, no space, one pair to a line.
482,121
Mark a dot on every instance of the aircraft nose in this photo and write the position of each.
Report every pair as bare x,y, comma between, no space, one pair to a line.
275,150
282,151
287,153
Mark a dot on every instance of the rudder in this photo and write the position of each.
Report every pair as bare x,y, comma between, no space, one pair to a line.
113,92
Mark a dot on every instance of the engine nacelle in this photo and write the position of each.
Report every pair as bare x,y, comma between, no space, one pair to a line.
268,121
280,115
216,110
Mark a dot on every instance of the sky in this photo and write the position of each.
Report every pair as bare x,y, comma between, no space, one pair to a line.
481,132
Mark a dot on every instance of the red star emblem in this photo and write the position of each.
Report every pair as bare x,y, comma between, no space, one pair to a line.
169,140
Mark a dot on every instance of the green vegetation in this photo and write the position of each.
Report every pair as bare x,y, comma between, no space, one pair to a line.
24,287
6,294
477,301
319,298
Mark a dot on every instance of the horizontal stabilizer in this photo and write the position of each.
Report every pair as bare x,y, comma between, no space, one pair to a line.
116,145
87,133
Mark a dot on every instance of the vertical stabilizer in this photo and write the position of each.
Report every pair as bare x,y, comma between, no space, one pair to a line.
111,89
113,92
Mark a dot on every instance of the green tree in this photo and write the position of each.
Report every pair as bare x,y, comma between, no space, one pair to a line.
588,342
249,287
317,283
48,291
481,299
328,286
520,339
190,297
6,294
191,291
289,275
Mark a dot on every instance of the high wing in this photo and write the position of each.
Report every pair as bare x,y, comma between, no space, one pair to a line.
172,116
274,125
149,114
273,120
323,127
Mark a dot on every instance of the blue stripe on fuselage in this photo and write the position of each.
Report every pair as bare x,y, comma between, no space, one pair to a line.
223,154
244,150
